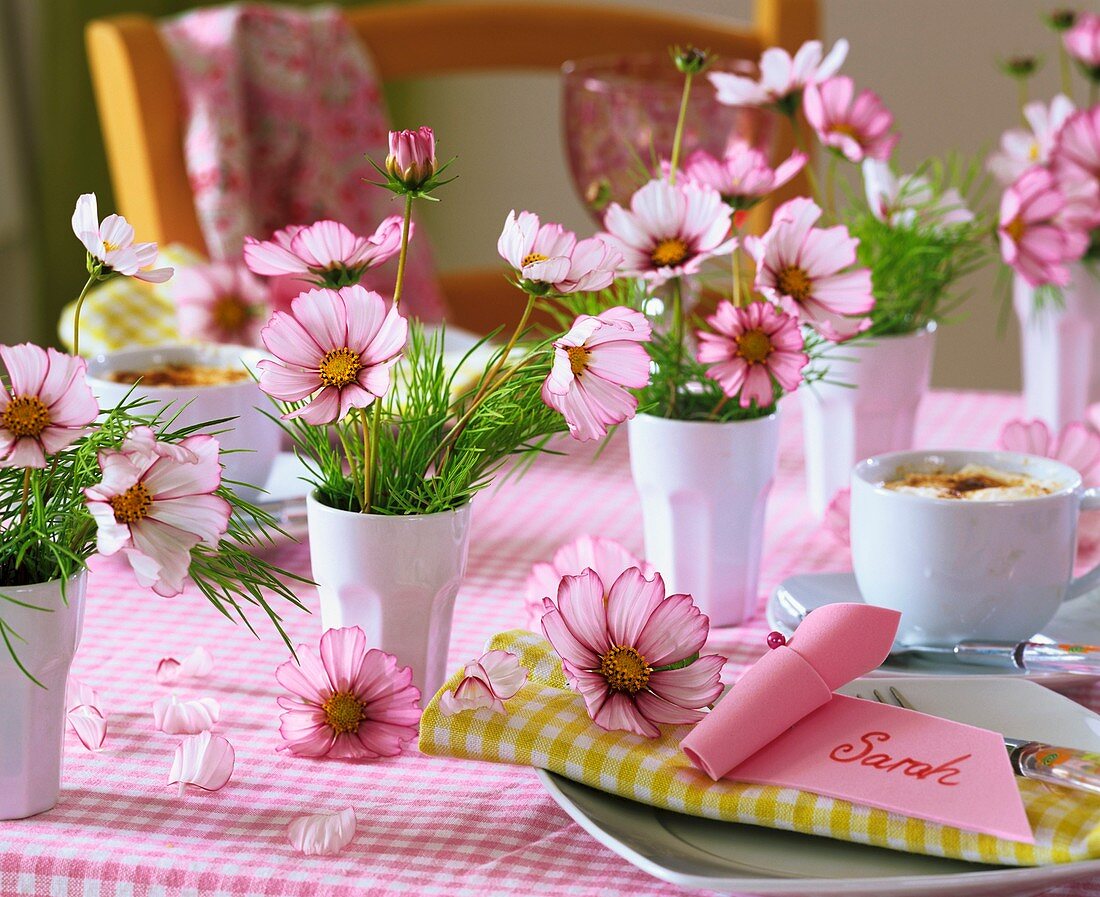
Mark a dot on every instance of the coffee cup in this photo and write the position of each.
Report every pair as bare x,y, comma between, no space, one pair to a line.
249,443
958,567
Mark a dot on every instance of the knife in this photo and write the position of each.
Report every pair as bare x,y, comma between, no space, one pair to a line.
1028,657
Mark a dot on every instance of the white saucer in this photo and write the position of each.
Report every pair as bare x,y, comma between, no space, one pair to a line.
1077,622
733,858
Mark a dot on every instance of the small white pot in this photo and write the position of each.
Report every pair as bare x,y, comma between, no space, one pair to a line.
704,489
869,407
1057,344
32,718
396,577
256,435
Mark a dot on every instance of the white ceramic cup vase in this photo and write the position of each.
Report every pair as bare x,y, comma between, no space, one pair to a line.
395,577
1057,343
868,407
251,440
32,717
704,489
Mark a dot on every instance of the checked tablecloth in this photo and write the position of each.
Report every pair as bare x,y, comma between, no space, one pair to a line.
427,826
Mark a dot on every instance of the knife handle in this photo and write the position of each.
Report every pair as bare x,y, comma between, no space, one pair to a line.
1065,767
1058,658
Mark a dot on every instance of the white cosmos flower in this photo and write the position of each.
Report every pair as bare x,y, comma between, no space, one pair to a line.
111,243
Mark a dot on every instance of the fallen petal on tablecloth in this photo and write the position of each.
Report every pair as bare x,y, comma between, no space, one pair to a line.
322,834
204,761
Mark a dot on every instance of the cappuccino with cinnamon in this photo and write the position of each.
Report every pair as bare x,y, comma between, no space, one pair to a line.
974,482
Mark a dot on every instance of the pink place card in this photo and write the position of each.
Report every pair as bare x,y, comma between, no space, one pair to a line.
897,760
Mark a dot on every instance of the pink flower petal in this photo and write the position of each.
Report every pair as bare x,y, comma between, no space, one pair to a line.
203,761
78,693
197,665
89,725
322,834
177,717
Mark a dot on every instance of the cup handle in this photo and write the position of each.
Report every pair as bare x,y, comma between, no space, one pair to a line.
1086,582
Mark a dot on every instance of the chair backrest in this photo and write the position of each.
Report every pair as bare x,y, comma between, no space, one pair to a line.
139,106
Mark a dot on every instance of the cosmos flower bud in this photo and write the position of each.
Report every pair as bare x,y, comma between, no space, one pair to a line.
412,157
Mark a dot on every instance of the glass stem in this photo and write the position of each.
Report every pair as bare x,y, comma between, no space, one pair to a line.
76,313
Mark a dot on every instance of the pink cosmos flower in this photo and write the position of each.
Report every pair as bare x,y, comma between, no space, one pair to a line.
669,231
348,703
909,200
1021,149
411,159
335,348
743,176
595,363
548,255
606,556
753,349
1082,42
616,645
47,406
858,129
1033,242
156,502
807,271
1075,161
487,682
782,79
327,250
1078,443
111,245
221,302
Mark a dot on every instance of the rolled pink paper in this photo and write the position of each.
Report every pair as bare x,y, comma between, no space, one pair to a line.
834,645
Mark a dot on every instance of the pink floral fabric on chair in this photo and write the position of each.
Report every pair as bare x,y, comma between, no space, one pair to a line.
282,109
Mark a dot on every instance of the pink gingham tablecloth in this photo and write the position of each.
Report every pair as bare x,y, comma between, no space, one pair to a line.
427,826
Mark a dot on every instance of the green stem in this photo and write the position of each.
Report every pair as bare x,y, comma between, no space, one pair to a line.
371,433
830,186
801,143
721,403
735,272
1094,92
1067,76
26,495
678,338
678,137
76,313
1022,88
486,381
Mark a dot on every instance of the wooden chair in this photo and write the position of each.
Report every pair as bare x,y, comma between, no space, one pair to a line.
139,106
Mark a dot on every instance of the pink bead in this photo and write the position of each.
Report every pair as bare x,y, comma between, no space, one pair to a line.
776,640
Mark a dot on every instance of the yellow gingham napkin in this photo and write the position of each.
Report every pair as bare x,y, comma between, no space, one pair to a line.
125,312
546,725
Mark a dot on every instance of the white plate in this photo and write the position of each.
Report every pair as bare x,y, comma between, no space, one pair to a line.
733,858
1077,622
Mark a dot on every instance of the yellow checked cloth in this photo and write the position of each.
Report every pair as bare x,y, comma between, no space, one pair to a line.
124,312
546,725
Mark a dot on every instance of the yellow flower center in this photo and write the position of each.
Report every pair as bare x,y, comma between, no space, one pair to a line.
110,247
578,359
132,505
340,367
25,416
795,282
670,251
343,712
625,670
847,130
1033,152
754,346
1015,229
533,257
230,313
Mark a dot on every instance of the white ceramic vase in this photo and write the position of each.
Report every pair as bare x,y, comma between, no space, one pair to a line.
250,442
32,717
1057,343
704,489
869,407
396,577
